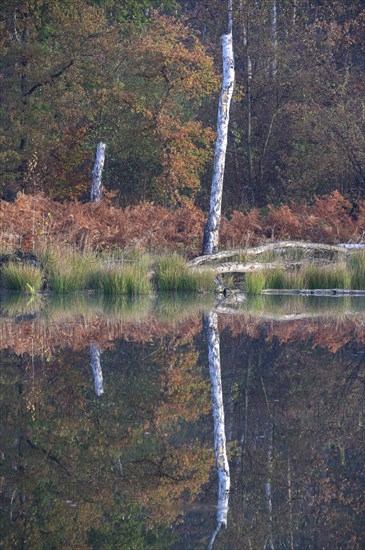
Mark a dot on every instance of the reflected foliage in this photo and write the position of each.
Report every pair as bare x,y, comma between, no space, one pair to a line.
135,467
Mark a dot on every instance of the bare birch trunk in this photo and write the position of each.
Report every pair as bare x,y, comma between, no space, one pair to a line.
96,368
97,172
211,232
220,451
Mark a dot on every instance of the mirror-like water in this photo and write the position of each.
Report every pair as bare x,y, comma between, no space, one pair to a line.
181,423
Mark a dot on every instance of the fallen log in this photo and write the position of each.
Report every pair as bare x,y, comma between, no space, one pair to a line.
343,248
245,267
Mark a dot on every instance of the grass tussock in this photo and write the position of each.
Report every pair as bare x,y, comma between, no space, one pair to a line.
125,279
22,277
255,283
311,277
336,276
356,264
173,274
70,271
67,270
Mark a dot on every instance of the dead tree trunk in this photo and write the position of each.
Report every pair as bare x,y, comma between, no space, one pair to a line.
211,232
97,173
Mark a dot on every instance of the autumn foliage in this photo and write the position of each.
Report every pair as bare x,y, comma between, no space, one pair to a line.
32,221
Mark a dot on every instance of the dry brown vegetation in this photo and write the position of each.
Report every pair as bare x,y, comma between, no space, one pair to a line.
32,221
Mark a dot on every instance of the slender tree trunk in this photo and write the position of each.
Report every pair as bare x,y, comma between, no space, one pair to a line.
220,451
235,142
211,232
248,106
24,64
274,40
97,173
96,368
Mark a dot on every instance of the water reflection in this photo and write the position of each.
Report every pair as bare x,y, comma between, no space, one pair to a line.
142,466
220,449
96,369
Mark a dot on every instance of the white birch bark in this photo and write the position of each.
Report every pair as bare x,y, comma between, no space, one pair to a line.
278,247
220,451
211,232
96,368
97,173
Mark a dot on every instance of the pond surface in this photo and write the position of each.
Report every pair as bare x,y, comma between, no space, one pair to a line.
108,438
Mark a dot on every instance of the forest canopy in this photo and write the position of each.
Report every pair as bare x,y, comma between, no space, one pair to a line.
144,77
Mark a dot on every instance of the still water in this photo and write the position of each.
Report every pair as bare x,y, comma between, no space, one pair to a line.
182,423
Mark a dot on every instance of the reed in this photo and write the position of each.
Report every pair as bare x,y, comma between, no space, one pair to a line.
22,277
334,276
356,263
173,274
68,270
128,279
276,278
255,282
308,277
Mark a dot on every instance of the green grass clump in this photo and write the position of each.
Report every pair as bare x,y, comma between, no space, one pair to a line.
356,265
255,282
136,278
23,277
172,273
69,271
335,276
276,278
109,280
308,277
268,278
123,279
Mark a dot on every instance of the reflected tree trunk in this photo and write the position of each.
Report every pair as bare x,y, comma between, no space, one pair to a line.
269,545
268,487
96,368
290,502
244,437
220,451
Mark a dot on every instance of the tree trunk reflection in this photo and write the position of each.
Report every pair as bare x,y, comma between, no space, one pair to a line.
96,368
220,451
